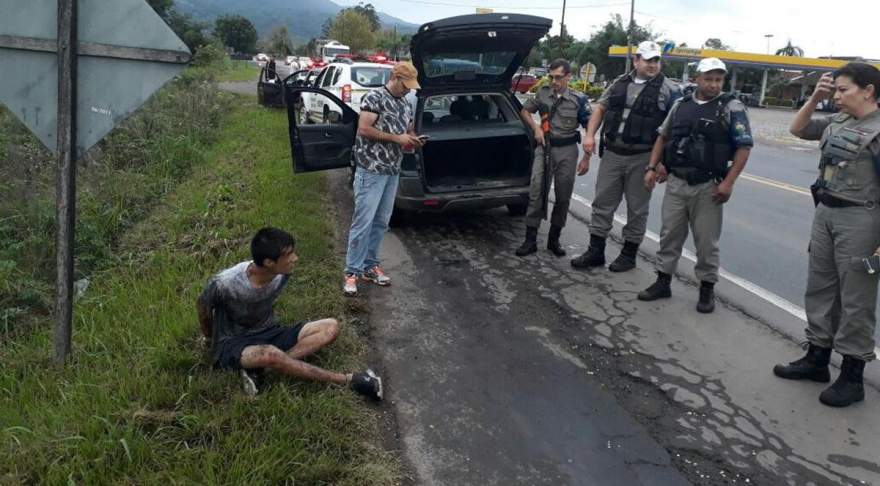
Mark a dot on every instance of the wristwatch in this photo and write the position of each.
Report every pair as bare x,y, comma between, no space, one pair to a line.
650,168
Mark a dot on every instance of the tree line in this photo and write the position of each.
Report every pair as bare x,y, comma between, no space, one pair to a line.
358,27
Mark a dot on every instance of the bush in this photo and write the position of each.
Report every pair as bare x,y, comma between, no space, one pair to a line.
118,182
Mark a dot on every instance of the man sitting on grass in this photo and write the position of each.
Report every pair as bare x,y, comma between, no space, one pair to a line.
236,315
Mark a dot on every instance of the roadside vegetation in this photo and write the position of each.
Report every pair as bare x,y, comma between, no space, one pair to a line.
169,198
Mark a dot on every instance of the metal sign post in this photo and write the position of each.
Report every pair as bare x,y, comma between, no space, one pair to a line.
65,193
71,72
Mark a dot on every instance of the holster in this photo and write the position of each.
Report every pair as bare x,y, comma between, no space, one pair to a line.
814,190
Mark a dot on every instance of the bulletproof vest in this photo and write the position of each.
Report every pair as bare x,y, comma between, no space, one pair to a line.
699,138
847,168
645,116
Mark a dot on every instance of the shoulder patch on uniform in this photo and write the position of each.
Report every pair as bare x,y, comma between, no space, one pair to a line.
841,117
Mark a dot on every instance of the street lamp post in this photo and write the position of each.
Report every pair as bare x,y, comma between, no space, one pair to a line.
629,34
768,36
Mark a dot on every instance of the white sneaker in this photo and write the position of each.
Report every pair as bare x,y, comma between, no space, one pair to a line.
249,384
349,286
377,276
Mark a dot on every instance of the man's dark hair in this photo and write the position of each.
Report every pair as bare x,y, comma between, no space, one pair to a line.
270,243
560,63
862,74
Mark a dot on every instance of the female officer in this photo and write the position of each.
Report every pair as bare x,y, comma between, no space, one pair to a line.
841,293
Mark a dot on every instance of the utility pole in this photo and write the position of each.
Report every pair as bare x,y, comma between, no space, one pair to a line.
768,36
629,34
562,26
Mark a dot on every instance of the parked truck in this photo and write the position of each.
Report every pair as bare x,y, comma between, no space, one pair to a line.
328,49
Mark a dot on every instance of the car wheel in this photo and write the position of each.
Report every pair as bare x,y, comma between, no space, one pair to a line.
517,209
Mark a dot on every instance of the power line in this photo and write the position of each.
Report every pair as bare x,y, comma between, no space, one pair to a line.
512,7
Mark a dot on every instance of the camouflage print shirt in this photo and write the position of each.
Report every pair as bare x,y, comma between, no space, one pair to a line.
395,116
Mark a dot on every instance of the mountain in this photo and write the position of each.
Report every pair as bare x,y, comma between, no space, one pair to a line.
303,18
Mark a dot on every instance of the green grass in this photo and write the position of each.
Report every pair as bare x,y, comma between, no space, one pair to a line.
239,71
118,183
139,403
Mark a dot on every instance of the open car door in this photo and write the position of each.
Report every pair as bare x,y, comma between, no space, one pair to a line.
474,51
269,90
322,146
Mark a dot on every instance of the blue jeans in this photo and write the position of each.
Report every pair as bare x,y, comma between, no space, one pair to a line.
373,203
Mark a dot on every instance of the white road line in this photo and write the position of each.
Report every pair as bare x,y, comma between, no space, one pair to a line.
765,294
746,285
777,184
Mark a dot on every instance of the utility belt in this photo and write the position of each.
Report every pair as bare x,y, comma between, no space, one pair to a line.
693,176
627,152
563,141
823,196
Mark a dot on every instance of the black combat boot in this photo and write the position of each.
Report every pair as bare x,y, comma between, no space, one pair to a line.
813,366
627,258
530,245
594,256
553,241
658,290
706,304
848,388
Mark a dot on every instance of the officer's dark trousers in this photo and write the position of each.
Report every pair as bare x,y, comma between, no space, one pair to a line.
841,295
564,162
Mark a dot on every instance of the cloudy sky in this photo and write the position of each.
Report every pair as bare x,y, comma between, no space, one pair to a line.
820,28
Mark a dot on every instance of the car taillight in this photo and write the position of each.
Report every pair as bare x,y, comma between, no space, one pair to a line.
346,93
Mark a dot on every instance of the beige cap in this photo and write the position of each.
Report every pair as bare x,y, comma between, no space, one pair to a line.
407,73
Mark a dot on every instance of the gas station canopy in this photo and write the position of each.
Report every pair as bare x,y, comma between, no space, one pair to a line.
736,59
745,59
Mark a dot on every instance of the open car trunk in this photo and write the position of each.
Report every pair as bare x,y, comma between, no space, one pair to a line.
495,159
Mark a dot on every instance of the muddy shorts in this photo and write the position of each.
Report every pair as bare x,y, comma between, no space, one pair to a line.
228,354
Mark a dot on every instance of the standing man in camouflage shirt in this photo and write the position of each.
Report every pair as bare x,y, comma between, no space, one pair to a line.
385,127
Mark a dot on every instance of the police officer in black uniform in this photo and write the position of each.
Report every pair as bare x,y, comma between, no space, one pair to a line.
701,136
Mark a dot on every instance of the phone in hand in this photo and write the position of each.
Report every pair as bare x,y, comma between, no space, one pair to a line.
872,264
424,138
